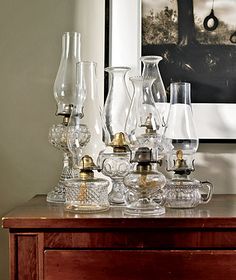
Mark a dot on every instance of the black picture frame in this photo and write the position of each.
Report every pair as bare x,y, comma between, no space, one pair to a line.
107,55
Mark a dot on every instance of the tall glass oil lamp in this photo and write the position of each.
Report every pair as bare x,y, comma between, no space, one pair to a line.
143,121
143,184
86,194
181,145
114,162
66,95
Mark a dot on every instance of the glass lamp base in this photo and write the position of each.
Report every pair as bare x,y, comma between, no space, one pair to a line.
57,195
144,209
76,208
116,196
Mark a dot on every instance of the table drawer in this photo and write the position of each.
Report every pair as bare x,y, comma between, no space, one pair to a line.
139,264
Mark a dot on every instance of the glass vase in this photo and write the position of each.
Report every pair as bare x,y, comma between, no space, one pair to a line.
117,101
64,86
151,70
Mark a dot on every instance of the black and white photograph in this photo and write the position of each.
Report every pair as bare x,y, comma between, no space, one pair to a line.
197,40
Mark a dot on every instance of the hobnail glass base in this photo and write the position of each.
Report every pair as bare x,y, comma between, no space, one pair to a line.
57,195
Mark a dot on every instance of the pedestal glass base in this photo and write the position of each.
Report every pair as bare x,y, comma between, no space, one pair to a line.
78,208
116,196
144,208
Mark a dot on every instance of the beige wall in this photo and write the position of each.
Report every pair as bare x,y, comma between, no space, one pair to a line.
30,48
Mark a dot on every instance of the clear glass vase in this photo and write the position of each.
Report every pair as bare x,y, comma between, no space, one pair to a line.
151,70
143,121
117,101
64,85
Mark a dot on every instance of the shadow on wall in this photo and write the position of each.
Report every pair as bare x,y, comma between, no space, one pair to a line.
216,163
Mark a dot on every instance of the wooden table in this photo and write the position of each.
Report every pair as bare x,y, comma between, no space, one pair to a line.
48,243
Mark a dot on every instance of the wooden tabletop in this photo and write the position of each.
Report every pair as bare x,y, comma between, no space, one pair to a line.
220,212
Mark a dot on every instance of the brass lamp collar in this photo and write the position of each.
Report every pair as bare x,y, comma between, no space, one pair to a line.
65,120
148,125
86,174
143,168
87,163
86,168
119,143
181,167
180,163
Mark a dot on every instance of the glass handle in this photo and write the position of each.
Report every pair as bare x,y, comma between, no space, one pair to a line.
206,196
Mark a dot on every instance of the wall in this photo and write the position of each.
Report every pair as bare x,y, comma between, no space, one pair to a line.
30,48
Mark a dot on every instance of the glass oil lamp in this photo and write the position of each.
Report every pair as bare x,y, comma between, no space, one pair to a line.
143,121
114,162
184,192
143,184
87,194
181,145
66,95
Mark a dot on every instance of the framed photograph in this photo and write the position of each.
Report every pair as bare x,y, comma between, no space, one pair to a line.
197,40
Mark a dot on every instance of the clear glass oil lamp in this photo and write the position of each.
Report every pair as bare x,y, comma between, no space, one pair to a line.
87,194
66,95
143,184
143,121
117,101
181,145
185,192
114,162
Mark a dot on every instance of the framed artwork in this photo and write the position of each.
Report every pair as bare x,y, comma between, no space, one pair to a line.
197,40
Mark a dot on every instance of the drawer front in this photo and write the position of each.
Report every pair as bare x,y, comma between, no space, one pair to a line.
139,264
141,239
